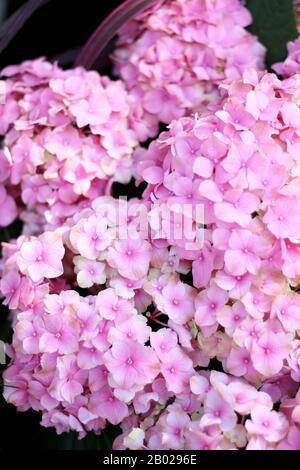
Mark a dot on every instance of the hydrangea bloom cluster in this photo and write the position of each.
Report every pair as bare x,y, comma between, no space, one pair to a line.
174,55
241,163
177,316
68,135
109,326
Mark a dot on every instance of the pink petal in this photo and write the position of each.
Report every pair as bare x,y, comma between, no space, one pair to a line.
203,167
49,343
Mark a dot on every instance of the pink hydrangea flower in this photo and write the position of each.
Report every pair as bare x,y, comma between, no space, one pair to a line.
173,66
268,352
89,272
111,306
184,347
218,411
57,337
131,363
130,257
177,302
208,303
177,370
42,257
104,404
11,286
50,166
271,425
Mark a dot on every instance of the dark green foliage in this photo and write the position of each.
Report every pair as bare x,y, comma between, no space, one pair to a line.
274,22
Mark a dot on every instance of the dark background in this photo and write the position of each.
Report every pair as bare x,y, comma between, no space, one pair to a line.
57,27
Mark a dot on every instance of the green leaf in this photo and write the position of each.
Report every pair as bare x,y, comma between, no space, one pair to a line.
274,22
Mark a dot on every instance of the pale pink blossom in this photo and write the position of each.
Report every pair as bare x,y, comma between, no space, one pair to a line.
131,363
271,425
42,257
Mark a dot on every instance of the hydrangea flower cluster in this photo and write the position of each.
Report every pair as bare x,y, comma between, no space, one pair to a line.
81,351
241,163
175,54
116,322
68,135
61,148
